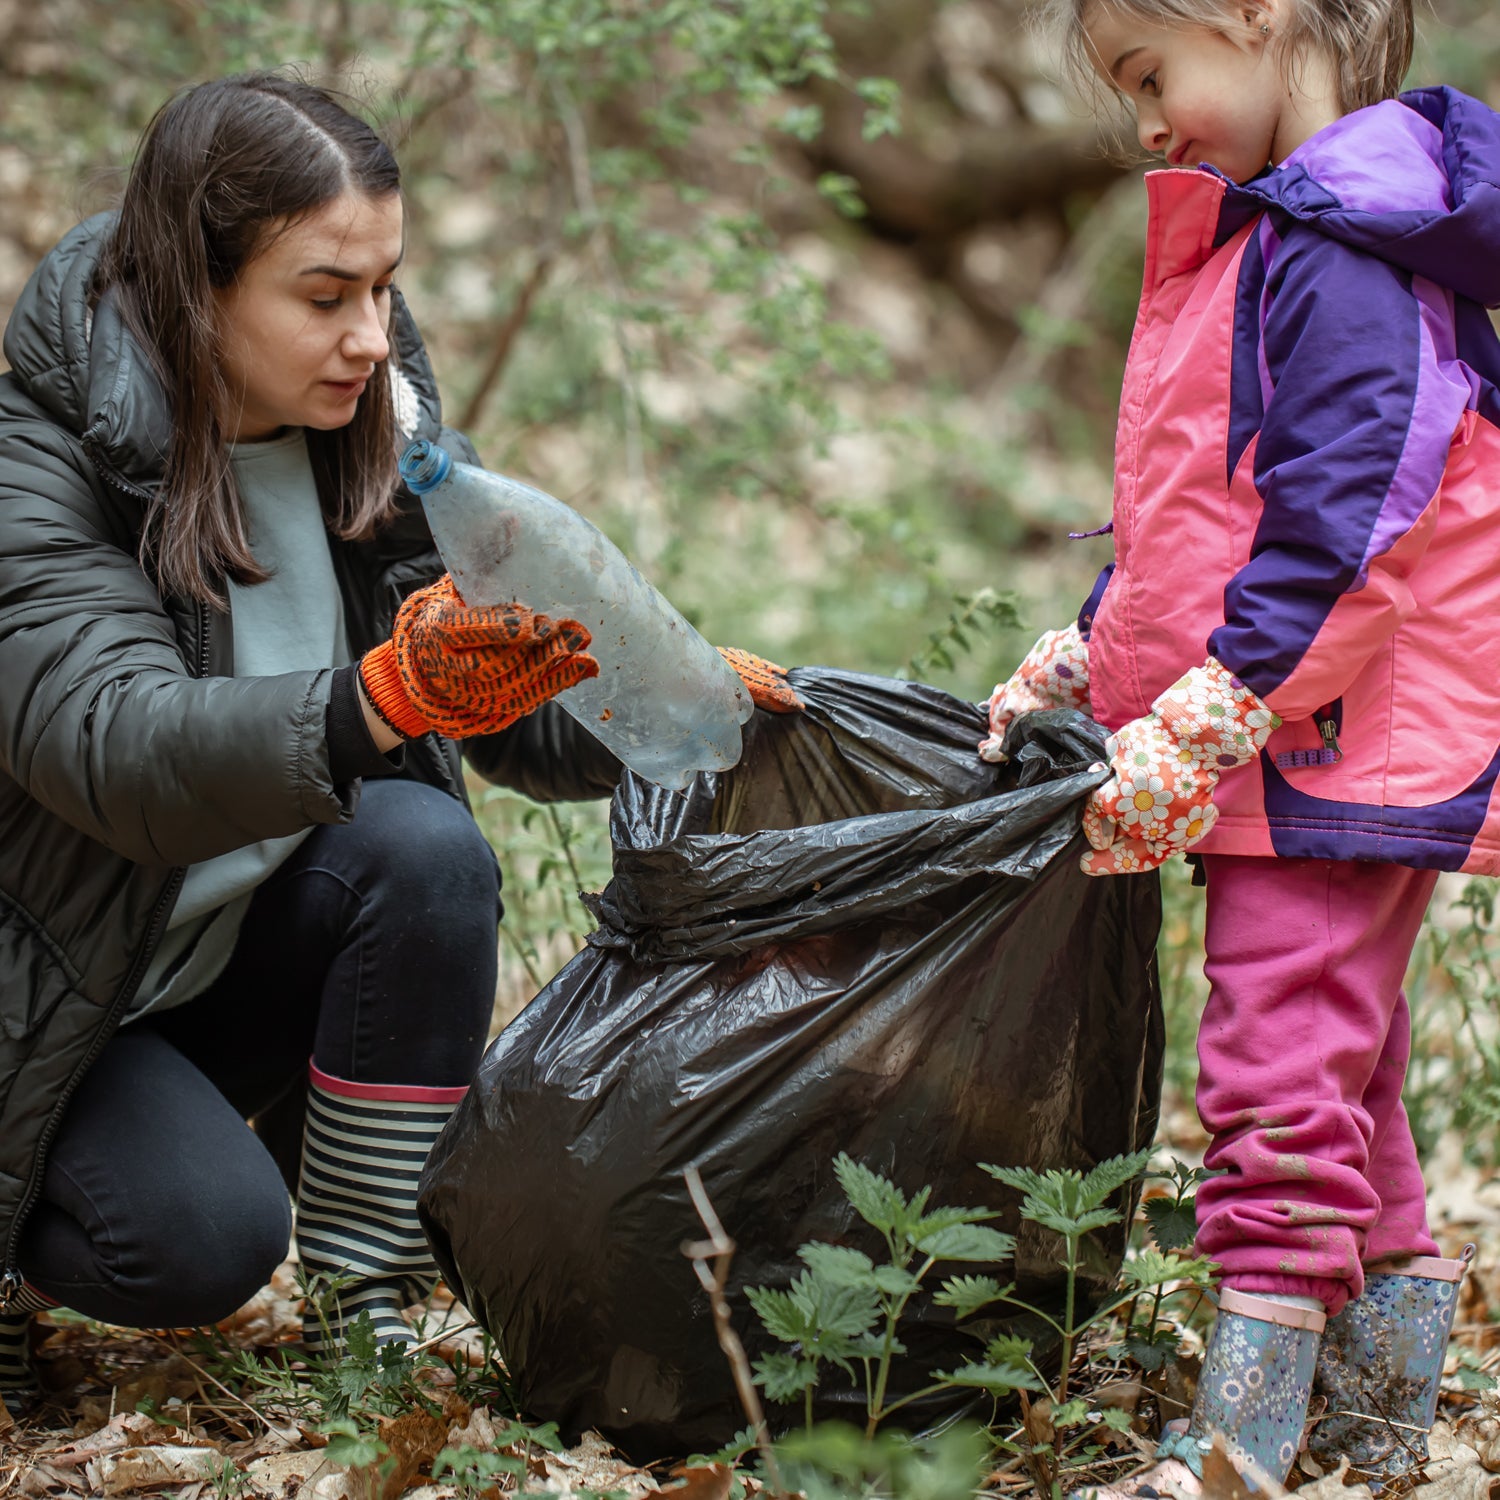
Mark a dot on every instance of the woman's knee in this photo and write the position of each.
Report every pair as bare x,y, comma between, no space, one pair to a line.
424,852
220,1245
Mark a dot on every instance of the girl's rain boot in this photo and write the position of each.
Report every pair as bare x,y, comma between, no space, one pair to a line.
1252,1394
1380,1365
18,1382
362,1155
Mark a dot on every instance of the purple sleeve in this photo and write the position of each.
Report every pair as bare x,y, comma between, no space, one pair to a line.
1358,418
1091,604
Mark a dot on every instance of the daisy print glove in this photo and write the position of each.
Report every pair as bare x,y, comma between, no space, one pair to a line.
1055,674
1159,799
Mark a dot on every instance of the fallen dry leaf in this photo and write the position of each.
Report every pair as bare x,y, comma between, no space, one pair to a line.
701,1482
477,1432
279,1474
414,1439
126,1429
1332,1486
594,1465
42,1479
145,1468
1480,1431
1454,1471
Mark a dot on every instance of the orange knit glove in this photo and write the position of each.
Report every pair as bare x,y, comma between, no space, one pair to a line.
465,671
767,682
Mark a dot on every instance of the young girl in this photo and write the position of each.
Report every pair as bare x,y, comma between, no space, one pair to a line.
233,829
1294,648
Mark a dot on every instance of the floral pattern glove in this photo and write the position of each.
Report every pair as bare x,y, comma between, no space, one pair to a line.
1159,799
1055,674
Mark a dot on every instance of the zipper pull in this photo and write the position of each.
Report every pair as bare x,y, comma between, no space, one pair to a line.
11,1283
1332,755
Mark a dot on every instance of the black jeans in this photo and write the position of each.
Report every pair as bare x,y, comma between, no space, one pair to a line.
370,951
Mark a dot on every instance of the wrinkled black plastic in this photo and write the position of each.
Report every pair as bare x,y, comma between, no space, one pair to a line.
863,939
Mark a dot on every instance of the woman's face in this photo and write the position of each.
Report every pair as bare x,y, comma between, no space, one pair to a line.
306,322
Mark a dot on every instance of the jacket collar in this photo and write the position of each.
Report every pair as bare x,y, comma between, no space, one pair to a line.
1410,180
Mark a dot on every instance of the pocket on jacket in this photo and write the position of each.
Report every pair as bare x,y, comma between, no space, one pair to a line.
34,973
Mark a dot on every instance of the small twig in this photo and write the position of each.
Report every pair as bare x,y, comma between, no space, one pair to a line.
239,1400
1033,1460
442,1336
232,1422
583,190
532,973
505,340
720,1249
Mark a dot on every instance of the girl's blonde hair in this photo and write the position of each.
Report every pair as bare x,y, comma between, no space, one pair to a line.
1369,41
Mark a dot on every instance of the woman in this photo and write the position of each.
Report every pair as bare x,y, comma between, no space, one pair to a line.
233,832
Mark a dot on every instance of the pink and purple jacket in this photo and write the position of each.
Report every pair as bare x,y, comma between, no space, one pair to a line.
1308,483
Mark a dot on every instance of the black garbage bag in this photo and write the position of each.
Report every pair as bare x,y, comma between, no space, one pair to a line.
862,939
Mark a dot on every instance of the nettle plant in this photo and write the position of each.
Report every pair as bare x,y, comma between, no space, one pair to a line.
843,1313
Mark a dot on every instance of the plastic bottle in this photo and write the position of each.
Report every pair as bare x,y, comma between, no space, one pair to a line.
664,701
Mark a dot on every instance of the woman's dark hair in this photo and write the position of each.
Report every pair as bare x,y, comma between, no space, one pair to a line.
220,164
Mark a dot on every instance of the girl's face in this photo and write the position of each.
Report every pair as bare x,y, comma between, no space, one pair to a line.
306,322
1198,95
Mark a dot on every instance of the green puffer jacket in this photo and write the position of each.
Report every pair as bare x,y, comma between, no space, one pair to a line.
127,752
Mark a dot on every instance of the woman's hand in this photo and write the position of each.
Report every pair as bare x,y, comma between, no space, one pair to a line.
463,671
1055,674
765,681
1159,799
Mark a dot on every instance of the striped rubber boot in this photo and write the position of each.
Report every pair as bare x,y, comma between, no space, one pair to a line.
362,1154
1380,1365
18,1382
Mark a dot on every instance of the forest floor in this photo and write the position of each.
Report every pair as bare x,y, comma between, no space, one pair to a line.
175,1413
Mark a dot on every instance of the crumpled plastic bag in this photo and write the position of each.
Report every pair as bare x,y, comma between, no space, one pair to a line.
862,938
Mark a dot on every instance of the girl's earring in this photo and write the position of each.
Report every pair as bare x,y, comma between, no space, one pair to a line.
1265,28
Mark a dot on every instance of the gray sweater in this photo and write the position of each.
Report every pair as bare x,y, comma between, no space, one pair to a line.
293,622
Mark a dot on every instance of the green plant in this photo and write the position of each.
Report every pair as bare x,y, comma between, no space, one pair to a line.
551,854
1152,1341
834,1460
352,1445
473,1470
844,1311
1453,1082
230,1482
981,610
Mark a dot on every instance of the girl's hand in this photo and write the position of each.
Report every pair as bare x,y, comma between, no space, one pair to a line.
1055,674
463,671
765,681
1159,799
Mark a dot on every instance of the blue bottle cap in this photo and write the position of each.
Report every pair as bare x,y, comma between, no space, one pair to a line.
424,465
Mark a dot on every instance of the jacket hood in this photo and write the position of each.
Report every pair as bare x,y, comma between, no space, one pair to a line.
1414,180
89,373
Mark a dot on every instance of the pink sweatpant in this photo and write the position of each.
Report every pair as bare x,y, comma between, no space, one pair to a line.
1302,1053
